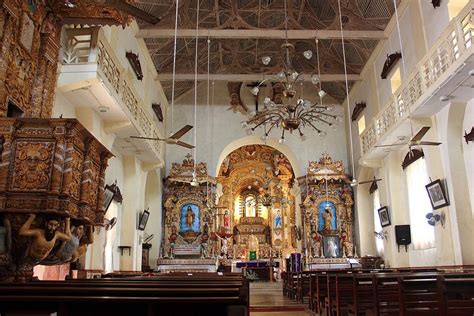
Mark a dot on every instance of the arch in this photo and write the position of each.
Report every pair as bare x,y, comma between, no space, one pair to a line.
255,140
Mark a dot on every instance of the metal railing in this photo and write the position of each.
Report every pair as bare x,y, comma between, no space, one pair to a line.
454,43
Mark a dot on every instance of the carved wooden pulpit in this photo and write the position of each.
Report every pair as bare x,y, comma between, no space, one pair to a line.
53,168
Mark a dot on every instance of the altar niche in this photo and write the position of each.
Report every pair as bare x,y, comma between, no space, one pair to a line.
189,213
256,182
327,210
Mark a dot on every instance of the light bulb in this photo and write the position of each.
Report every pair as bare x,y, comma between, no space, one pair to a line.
308,54
281,75
264,137
266,60
267,101
195,183
249,131
255,90
322,134
294,75
281,140
245,124
314,79
330,108
353,182
322,93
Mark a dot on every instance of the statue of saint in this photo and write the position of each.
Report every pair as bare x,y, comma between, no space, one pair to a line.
190,217
327,215
226,221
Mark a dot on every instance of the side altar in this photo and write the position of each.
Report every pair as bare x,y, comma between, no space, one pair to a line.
327,213
188,241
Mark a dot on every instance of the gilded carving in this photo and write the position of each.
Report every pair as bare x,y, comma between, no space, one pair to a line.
32,169
76,174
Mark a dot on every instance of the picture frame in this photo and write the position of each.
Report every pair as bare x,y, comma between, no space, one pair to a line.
437,195
384,216
143,220
331,247
109,194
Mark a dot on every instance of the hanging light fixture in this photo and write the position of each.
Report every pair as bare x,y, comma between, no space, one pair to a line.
292,112
194,182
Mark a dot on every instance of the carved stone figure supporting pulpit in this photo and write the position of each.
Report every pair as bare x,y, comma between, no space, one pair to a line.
51,172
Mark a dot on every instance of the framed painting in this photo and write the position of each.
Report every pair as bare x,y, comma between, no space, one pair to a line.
109,194
384,216
437,195
331,246
143,220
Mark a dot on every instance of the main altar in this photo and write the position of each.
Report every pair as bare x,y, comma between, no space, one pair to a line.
248,213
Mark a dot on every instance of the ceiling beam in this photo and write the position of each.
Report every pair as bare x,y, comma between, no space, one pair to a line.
250,77
263,33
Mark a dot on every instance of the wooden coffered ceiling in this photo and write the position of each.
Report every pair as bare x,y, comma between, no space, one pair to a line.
241,32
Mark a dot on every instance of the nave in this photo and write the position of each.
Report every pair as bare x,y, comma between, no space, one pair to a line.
267,299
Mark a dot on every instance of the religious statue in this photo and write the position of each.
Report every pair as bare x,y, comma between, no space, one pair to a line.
5,237
277,219
190,217
224,249
281,165
327,215
75,248
226,221
315,244
44,239
172,240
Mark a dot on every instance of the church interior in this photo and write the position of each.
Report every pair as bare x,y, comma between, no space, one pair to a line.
236,157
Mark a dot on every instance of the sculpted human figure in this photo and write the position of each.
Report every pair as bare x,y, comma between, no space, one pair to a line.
76,247
189,217
327,215
44,239
5,237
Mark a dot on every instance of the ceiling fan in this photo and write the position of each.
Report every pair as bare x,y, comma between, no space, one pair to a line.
416,140
126,7
173,139
364,182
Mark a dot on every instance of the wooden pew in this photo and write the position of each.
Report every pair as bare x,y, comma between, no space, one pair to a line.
303,285
457,294
163,295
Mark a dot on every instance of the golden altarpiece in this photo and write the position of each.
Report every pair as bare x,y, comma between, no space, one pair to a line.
327,211
189,218
248,209
52,169
255,203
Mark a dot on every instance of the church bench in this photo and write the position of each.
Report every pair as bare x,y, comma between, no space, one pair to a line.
457,294
303,284
129,297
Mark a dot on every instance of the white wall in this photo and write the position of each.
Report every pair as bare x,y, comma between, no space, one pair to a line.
217,130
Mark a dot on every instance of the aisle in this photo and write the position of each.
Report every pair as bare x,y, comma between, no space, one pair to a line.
266,299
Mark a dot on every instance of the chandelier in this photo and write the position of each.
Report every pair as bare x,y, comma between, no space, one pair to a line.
291,112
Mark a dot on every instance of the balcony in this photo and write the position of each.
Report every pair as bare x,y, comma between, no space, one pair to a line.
92,76
446,64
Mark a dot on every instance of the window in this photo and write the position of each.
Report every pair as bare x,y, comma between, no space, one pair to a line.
422,234
377,225
361,124
395,79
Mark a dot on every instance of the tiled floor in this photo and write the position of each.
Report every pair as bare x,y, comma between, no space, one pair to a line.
266,299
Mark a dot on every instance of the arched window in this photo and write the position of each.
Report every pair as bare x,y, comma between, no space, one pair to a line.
422,234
